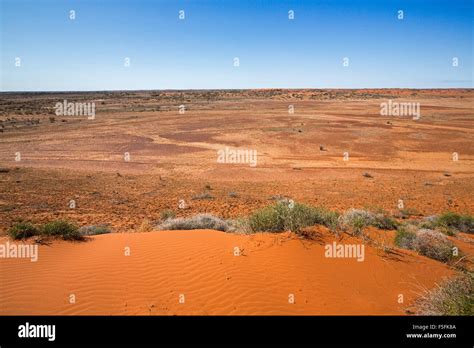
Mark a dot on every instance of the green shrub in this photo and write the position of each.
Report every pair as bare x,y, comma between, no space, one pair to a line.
63,229
23,230
289,216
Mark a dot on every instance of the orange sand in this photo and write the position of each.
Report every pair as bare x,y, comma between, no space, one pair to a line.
201,265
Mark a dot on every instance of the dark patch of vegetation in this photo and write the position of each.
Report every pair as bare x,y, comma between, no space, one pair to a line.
23,230
62,229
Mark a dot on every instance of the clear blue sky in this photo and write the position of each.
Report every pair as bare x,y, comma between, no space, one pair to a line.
197,53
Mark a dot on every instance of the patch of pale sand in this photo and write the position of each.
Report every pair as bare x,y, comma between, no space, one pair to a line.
201,265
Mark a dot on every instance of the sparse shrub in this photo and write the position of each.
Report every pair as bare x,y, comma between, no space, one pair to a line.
233,194
167,214
452,297
404,238
94,230
433,244
356,220
63,229
23,230
198,222
284,216
52,119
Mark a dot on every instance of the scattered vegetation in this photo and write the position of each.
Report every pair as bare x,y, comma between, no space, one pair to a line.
452,297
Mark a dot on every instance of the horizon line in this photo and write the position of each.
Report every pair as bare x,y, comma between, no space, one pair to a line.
239,89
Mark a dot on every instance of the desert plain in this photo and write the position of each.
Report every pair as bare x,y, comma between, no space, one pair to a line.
146,152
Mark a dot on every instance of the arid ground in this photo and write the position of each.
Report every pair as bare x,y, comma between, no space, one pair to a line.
173,160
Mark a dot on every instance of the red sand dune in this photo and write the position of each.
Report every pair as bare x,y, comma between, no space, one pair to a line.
201,265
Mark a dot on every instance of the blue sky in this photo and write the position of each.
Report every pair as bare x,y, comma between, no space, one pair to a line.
165,52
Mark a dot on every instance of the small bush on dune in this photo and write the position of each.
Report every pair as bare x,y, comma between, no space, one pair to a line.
356,220
433,244
23,230
198,222
289,216
452,297
430,243
63,229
